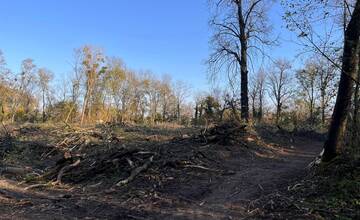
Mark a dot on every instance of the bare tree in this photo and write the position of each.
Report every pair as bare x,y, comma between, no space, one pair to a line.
44,76
317,86
326,84
4,71
307,81
25,86
76,75
181,91
257,93
165,95
7,96
280,85
155,96
240,28
320,25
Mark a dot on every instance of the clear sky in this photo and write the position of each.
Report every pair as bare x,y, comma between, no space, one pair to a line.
165,36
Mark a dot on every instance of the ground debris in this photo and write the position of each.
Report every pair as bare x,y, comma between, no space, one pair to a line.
159,171
93,154
330,191
226,133
135,172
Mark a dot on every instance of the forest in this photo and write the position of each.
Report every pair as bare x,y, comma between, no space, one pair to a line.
272,136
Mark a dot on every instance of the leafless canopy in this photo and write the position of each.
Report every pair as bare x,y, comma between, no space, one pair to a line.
226,39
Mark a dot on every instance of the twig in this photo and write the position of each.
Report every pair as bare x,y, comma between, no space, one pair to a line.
262,189
131,164
208,169
39,185
49,153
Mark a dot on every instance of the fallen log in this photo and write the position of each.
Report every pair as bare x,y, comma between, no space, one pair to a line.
136,172
15,170
65,169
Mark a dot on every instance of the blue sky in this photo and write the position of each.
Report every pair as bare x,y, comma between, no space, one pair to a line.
164,36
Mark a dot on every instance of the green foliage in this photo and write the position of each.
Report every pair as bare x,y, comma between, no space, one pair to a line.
211,108
337,189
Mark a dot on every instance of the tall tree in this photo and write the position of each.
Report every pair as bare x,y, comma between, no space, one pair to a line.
165,96
181,90
326,84
240,27
44,78
92,62
349,71
115,77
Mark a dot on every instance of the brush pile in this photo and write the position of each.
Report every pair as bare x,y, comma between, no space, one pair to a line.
117,156
228,133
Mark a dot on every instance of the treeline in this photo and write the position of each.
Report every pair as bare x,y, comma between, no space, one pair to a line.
99,89
293,98
103,89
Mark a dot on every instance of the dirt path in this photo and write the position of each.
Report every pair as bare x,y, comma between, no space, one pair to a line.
205,197
232,196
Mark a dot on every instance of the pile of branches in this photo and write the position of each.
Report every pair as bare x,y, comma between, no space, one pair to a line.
227,133
97,155
77,168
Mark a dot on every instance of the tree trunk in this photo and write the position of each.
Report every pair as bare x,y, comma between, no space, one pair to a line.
43,106
260,112
178,111
355,125
164,111
253,108
323,108
196,113
312,104
336,133
278,113
243,66
84,107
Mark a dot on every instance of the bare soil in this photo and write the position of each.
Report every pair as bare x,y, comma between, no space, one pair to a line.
191,175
